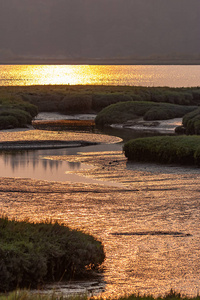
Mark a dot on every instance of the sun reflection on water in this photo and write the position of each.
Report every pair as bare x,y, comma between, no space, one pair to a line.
141,75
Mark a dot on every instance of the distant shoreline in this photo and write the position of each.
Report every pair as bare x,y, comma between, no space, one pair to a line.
101,62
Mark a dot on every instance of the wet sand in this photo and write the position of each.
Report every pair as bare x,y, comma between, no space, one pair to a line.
36,139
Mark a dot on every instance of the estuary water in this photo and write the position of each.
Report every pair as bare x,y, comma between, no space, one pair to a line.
140,75
149,225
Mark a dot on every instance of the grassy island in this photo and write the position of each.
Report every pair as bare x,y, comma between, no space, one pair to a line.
32,254
165,149
149,111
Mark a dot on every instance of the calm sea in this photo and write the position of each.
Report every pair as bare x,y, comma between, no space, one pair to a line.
172,76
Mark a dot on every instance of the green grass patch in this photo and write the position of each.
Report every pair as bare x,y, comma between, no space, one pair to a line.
33,254
184,150
122,112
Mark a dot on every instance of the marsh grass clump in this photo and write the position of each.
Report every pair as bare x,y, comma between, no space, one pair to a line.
19,117
122,112
191,122
174,96
14,112
184,150
32,254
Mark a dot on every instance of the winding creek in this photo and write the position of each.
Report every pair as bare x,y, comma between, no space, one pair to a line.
146,215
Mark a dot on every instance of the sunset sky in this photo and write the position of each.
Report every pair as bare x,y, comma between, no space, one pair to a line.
99,28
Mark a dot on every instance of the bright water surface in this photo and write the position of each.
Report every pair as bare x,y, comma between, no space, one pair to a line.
173,76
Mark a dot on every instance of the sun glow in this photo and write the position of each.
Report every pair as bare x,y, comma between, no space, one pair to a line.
173,76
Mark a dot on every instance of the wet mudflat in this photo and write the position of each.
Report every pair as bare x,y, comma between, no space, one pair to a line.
149,225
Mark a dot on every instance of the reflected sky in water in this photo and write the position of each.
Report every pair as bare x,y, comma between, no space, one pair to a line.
33,164
37,165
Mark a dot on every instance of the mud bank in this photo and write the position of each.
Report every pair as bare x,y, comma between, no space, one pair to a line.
41,139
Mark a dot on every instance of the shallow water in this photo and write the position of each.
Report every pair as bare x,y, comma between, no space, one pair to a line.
40,164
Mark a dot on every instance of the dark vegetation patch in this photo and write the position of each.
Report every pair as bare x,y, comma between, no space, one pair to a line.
68,99
32,254
191,122
122,112
14,112
165,149
73,99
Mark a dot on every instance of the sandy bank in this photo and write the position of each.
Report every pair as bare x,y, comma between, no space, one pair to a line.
37,139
